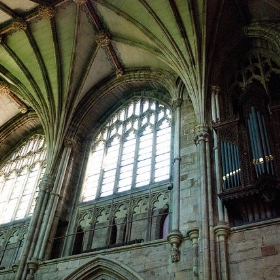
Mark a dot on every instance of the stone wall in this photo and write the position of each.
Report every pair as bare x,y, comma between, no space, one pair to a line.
254,252
151,260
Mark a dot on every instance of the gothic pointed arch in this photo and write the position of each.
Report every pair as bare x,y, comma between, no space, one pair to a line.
101,268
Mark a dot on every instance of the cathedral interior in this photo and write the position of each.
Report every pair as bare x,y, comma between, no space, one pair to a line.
139,139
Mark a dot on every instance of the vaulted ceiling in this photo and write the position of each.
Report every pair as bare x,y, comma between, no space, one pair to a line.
56,53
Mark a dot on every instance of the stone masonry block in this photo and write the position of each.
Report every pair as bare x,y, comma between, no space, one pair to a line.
268,251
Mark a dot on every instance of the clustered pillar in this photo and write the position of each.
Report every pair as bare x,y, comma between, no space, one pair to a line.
201,140
41,222
175,236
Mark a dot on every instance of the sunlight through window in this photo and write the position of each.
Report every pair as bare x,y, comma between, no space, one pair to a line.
132,150
19,177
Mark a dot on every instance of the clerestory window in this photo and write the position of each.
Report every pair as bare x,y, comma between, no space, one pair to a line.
131,150
19,177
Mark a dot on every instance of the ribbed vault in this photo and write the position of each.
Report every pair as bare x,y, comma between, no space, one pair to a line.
55,53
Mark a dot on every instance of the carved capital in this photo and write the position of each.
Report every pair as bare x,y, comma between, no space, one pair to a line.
175,238
103,38
4,88
201,132
177,103
215,90
69,143
46,183
23,109
19,24
46,12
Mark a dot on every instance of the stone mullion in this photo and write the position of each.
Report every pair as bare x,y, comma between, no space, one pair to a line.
91,229
3,249
110,222
99,187
21,193
149,217
154,154
117,176
136,152
129,219
118,168
11,190
34,189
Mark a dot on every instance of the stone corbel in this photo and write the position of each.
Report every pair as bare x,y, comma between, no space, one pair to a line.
193,234
175,238
222,231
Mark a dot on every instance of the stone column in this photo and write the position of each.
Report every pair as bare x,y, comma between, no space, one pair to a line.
193,234
222,231
211,214
201,139
215,90
53,201
175,236
34,226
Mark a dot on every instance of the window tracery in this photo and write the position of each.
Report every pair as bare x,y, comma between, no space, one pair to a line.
19,177
132,150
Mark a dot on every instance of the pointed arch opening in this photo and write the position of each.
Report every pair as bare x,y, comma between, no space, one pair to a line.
105,269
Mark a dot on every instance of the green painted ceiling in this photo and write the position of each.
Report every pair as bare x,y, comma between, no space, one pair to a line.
54,53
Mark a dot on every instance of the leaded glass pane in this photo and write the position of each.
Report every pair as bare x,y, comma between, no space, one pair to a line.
135,151
19,177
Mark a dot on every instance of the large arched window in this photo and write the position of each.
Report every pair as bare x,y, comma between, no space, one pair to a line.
19,178
131,150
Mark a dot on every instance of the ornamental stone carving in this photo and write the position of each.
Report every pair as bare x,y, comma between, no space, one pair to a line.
46,12
175,238
103,38
86,221
161,201
19,24
119,72
4,88
69,143
46,183
215,89
23,109
141,207
177,103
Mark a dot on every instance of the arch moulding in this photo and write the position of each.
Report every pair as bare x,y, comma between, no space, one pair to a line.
101,268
